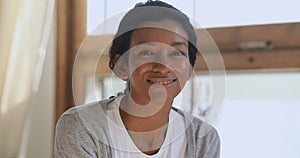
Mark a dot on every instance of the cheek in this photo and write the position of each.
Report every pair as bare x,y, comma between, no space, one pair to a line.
136,72
182,71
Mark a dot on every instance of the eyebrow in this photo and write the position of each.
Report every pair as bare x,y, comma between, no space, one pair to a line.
172,44
145,43
178,44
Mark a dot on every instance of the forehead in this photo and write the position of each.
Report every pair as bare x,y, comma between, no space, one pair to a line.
166,32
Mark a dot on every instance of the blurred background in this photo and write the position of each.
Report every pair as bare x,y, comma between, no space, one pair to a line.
48,49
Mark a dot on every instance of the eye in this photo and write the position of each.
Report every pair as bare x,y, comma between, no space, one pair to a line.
146,53
177,53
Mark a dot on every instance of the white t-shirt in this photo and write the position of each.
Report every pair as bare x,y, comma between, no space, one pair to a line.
174,145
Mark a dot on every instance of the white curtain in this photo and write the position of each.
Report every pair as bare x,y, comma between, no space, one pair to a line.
24,34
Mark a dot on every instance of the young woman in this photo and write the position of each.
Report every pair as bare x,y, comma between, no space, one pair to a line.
154,52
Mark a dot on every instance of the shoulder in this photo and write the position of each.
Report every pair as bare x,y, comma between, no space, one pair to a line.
89,107
84,117
88,110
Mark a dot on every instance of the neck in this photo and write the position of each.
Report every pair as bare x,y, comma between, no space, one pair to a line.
143,117
148,133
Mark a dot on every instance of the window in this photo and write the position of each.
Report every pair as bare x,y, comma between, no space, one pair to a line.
212,13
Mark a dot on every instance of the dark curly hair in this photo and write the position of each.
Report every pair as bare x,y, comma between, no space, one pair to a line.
150,11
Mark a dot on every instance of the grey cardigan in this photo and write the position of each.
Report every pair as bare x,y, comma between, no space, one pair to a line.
83,132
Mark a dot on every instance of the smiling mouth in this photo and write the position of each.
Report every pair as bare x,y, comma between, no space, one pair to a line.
162,82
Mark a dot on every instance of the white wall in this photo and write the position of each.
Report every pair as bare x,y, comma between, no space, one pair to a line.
260,116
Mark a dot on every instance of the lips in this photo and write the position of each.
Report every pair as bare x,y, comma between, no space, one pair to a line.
165,82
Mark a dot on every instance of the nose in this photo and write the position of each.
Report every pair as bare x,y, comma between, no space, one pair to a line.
160,68
161,62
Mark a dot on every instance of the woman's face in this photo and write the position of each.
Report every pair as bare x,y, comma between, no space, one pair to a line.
158,64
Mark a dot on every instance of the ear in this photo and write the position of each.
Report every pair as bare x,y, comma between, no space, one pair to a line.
121,68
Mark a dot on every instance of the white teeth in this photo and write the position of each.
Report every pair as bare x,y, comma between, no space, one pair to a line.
162,83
